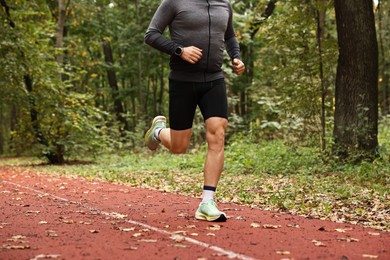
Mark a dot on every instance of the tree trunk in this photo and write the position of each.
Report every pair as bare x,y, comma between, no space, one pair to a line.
141,104
60,34
356,109
112,81
384,65
321,16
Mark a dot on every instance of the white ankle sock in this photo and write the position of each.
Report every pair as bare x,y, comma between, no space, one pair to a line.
207,195
157,133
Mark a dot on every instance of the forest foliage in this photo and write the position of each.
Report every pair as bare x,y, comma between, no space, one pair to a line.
109,85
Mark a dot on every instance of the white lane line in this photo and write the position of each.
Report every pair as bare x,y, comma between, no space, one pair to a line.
228,253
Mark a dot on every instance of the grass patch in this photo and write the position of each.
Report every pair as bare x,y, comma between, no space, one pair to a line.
269,175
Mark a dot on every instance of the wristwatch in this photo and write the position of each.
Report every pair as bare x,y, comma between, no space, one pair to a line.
179,51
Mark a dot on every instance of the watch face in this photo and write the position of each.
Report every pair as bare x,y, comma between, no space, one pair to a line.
178,51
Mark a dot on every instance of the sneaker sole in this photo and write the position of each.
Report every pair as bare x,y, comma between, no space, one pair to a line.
220,218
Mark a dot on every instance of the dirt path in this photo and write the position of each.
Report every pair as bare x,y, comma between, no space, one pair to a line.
47,216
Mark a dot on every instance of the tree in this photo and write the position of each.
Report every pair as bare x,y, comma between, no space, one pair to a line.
384,64
356,109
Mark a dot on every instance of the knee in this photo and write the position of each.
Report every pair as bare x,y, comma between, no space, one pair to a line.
216,139
179,149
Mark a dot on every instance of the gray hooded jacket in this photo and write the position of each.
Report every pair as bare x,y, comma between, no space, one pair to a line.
206,24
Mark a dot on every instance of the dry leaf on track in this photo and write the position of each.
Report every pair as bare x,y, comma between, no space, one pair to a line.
293,225
16,247
177,238
282,252
214,227
271,226
148,240
255,225
342,230
41,256
318,243
126,229
348,239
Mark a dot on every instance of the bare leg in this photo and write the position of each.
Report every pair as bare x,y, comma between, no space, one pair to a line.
215,135
174,140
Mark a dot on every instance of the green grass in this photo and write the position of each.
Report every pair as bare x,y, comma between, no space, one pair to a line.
269,175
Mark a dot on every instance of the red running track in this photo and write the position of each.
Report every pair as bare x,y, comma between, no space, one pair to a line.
59,217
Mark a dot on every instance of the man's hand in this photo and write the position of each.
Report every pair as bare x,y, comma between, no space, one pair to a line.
238,67
191,54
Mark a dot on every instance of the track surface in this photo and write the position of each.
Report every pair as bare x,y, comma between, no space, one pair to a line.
58,217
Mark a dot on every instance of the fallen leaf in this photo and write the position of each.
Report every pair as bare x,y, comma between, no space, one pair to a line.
194,234
282,252
16,238
342,230
318,243
148,240
68,221
183,232
137,234
94,231
177,238
85,223
16,247
180,245
32,211
271,226
374,233
214,227
255,225
126,229
190,226
42,256
293,225
42,222
51,233
369,256
117,215
210,234
348,239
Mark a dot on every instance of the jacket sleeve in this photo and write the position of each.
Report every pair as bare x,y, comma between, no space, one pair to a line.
154,37
231,43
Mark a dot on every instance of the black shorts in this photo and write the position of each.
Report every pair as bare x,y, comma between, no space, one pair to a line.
184,97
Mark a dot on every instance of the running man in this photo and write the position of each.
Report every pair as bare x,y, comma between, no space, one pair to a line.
200,31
